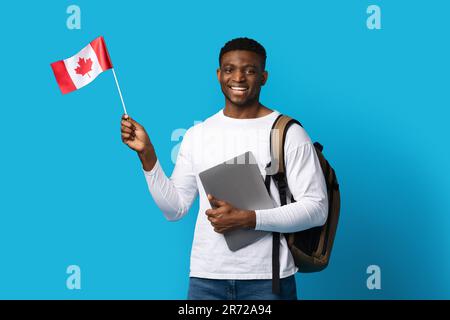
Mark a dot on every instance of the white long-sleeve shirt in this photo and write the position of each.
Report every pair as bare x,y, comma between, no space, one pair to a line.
218,139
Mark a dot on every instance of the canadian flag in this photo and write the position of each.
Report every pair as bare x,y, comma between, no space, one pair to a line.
78,71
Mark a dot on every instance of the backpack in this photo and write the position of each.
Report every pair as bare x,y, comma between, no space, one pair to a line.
311,249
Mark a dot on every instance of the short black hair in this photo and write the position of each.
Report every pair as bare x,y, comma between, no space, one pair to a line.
246,44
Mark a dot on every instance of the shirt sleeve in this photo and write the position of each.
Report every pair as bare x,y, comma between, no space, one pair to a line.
307,185
175,195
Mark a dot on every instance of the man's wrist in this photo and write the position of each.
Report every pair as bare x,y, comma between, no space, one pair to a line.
249,219
148,158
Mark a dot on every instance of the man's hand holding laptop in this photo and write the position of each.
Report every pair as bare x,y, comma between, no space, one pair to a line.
224,217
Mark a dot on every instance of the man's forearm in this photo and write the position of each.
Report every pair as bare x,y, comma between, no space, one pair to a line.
293,217
148,158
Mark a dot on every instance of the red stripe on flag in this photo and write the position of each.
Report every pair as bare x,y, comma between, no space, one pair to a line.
62,77
99,47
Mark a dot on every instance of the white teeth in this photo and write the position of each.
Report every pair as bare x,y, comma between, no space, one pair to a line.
238,88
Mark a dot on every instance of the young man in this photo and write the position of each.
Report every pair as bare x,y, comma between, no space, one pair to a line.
244,124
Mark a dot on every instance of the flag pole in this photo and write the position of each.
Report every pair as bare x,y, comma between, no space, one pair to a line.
120,92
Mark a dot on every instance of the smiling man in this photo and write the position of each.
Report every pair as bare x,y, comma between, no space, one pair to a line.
243,125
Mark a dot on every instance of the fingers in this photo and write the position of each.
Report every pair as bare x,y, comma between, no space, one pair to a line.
127,124
128,136
130,120
127,133
212,213
127,141
216,202
214,221
219,208
216,215
127,129
124,129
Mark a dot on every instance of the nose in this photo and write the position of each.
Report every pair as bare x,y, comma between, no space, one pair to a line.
238,76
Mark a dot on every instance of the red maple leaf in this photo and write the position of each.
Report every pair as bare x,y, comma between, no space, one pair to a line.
85,65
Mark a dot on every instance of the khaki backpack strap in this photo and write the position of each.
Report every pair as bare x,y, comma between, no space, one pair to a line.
277,139
277,170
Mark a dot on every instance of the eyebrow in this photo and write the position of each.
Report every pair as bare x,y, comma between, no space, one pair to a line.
244,66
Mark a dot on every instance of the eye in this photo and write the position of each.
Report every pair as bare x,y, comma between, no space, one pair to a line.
250,71
227,70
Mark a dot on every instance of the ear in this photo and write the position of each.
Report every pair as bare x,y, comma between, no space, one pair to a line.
218,74
264,77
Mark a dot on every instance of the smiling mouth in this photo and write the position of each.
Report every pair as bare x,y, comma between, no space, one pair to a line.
238,89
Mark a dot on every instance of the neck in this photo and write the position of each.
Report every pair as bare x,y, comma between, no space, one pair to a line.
254,110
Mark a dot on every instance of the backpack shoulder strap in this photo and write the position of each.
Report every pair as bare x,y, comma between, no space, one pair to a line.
277,140
277,169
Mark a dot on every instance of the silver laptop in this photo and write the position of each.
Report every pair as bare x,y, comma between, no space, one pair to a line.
239,182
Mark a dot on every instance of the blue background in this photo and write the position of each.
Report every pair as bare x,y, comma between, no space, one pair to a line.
72,193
